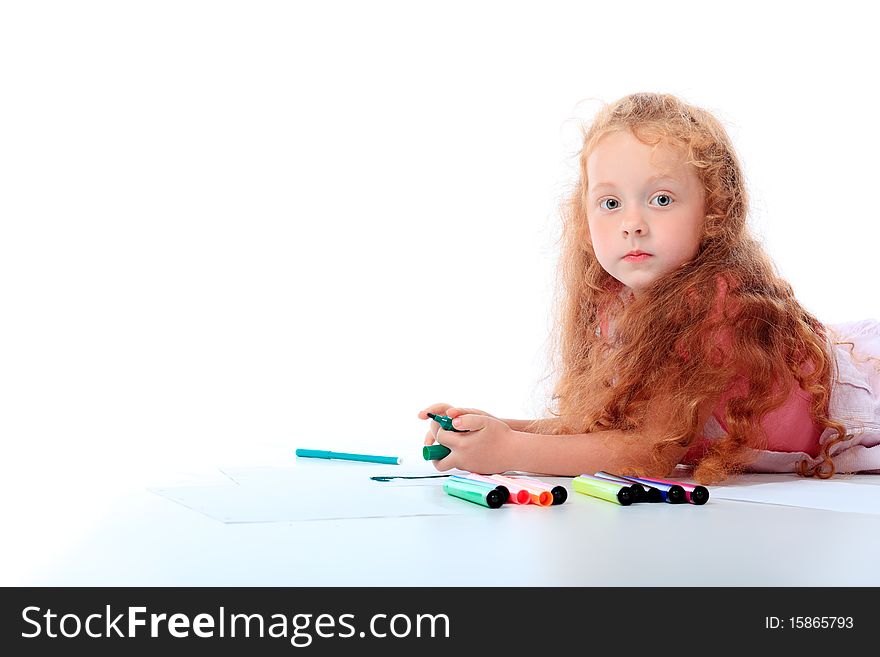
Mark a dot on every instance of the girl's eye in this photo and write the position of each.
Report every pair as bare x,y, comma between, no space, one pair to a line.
665,202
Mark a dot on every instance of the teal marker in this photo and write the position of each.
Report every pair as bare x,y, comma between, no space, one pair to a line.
438,451
435,452
483,495
322,454
501,488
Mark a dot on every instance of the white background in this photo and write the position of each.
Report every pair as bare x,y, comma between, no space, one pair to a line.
230,229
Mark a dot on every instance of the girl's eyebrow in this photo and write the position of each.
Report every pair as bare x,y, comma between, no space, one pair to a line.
650,180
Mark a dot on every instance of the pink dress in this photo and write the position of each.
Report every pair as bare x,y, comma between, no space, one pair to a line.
792,436
855,403
788,428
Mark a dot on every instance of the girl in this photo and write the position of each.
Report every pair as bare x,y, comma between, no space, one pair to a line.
676,340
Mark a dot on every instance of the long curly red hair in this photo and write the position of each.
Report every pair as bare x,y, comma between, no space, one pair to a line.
666,344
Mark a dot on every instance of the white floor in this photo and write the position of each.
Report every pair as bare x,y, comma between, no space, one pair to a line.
762,530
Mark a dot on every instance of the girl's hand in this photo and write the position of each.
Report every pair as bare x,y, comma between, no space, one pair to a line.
450,411
489,446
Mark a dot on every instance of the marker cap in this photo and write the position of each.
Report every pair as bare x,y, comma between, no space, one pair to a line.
559,494
435,452
699,495
676,494
651,494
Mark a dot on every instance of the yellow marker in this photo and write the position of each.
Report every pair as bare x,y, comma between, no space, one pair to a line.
603,489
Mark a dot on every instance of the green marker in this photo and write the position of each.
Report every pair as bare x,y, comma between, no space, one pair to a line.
501,488
603,489
446,422
435,452
477,494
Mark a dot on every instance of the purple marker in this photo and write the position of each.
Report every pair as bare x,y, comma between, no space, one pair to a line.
642,492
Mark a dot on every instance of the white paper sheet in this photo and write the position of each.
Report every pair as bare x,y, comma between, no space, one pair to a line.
323,490
315,492
357,474
850,493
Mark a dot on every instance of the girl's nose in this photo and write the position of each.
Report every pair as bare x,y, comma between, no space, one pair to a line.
634,224
635,229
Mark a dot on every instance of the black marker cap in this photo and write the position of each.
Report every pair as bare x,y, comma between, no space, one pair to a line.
493,498
625,496
559,494
504,492
699,495
675,494
652,494
638,492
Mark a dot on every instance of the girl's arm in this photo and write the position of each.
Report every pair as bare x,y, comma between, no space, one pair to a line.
611,450
575,454
521,425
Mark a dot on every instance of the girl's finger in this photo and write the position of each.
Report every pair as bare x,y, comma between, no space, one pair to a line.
454,411
450,439
446,463
436,409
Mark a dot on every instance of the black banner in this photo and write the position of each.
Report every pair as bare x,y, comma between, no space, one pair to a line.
426,621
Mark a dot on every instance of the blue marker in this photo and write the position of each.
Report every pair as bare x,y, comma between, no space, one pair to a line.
672,493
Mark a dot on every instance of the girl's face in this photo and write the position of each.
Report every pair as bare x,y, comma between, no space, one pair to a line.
635,204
